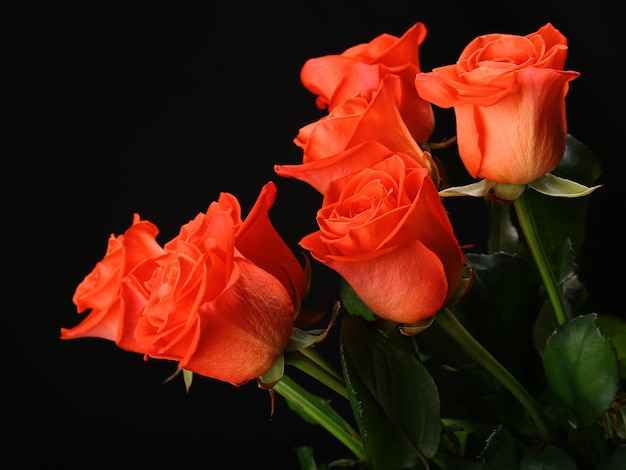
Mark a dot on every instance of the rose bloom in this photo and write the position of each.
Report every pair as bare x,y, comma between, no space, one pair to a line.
508,94
220,299
332,145
358,71
385,231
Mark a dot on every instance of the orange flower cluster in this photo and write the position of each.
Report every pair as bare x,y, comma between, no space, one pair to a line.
383,226
221,297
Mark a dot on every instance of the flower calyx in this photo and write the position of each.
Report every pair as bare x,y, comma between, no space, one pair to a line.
548,184
503,192
299,339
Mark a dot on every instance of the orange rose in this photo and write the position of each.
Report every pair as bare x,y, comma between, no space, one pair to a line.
508,94
331,145
358,71
101,290
219,298
385,231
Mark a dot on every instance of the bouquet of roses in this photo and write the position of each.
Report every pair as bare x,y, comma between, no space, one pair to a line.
536,380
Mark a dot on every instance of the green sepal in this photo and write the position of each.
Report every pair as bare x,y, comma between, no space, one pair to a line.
480,188
554,186
301,339
578,164
485,188
187,377
273,375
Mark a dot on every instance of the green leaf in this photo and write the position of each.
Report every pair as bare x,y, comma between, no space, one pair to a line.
500,451
582,369
352,303
394,399
579,163
560,224
614,328
547,458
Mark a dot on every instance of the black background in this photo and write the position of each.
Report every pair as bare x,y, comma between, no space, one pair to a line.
156,108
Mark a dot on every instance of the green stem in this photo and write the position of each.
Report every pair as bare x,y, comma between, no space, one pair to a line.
448,321
313,365
527,224
310,407
316,357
